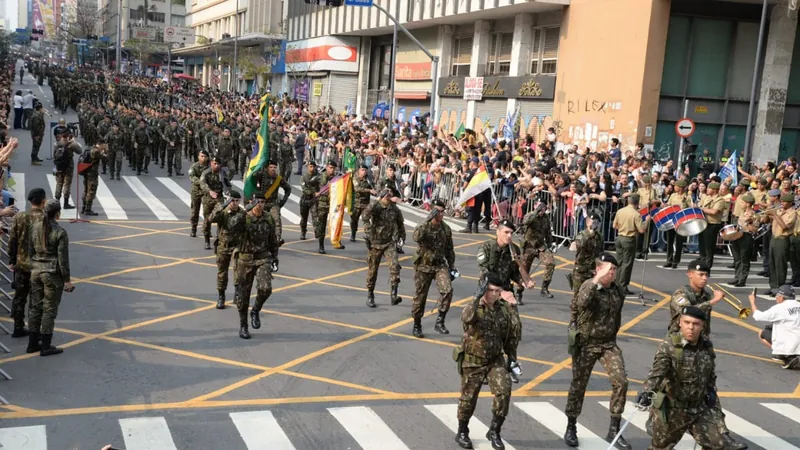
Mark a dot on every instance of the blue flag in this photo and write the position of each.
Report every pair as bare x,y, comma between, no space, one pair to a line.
730,170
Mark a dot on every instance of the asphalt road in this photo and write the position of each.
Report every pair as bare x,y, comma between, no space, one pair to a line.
150,364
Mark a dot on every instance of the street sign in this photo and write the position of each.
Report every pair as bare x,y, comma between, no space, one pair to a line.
365,3
216,72
685,127
473,88
216,80
179,35
144,34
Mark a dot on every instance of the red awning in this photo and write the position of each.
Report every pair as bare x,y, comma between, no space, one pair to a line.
411,95
183,76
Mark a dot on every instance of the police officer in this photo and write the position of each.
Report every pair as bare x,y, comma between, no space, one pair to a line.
213,183
91,174
682,398
50,276
675,241
489,331
435,259
628,222
197,194
19,257
384,227
713,206
706,163
742,248
598,308
228,239
588,245
267,183
363,189
538,240
258,258
310,186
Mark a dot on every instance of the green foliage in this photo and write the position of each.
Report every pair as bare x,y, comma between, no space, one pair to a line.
202,40
252,64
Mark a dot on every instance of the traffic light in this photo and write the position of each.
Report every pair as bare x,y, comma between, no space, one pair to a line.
325,2
91,37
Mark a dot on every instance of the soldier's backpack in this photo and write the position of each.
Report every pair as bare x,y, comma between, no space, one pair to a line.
61,158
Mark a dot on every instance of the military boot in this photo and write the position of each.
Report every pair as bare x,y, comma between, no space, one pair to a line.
395,299
731,443
518,296
353,236
462,436
194,231
47,348
243,333
33,342
417,330
66,203
493,435
371,299
571,435
255,320
302,235
89,211
221,299
439,327
475,228
19,329
613,430
321,250
545,291
208,242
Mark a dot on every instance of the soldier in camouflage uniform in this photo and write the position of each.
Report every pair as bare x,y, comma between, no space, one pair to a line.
362,189
226,146
287,157
588,245
324,206
103,128
489,331
246,142
390,181
197,194
258,258
116,149
310,184
49,252
19,257
227,241
684,380
435,259
37,133
213,183
64,172
538,239
91,175
384,228
599,316
173,140
141,147
267,183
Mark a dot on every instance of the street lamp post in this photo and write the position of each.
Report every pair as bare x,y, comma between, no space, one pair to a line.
236,51
119,36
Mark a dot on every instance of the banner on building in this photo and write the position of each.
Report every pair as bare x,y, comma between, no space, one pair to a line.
473,88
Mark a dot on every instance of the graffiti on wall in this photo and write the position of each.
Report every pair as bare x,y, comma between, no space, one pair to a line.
589,106
527,125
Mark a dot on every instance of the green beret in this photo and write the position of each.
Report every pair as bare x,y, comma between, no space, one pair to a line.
748,198
646,179
787,197
713,185
682,183
744,182
762,181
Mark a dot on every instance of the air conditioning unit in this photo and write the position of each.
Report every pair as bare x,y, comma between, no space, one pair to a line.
226,36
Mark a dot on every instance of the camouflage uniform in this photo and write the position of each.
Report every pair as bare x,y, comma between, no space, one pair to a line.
257,252
538,237
172,140
141,139
103,128
37,133
211,181
310,185
64,177
19,257
323,207
226,146
264,183
225,245
434,259
90,179
246,142
599,316
589,247
685,372
384,226
49,273
287,158
392,184
116,151
362,190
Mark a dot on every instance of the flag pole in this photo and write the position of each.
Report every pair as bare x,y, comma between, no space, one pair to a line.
78,218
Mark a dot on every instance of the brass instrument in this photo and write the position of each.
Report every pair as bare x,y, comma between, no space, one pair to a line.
743,312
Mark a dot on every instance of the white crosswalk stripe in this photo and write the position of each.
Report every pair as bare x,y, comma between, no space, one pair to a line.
260,431
110,204
182,194
555,420
447,414
146,433
754,433
789,411
639,420
20,194
66,214
369,430
24,438
152,202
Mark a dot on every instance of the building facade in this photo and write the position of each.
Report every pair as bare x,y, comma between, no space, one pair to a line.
575,65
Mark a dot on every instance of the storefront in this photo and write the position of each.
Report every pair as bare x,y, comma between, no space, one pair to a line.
324,71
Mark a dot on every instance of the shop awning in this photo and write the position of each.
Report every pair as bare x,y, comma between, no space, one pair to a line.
411,95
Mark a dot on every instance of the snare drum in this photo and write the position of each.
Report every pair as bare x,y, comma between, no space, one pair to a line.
690,222
730,233
644,212
665,219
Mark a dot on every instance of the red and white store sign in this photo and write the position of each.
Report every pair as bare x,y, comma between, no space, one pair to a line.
338,54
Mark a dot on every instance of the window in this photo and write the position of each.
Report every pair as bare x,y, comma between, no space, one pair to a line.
544,51
499,62
462,55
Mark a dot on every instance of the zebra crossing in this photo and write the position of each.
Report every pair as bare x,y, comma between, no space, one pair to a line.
362,425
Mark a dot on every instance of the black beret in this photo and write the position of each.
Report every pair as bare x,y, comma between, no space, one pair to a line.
272,162
332,164
608,257
364,166
235,194
508,224
494,279
216,159
204,152
311,162
699,266
36,194
438,203
694,311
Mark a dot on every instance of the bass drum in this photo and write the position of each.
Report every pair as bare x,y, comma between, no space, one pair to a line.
690,222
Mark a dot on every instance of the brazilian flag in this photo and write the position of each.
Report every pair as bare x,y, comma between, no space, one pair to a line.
260,155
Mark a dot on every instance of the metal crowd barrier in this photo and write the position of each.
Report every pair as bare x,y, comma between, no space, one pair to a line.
7,277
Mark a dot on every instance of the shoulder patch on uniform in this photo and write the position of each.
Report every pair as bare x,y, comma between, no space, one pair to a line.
682,301
481,256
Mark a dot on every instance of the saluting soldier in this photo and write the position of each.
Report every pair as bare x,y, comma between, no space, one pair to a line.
91,175
267,183
538,239
628,222
363,189
258,258
213,183
19,257
489,332
713,206
675,241
173,140
435,259
598,308
384,227
224,215
116,149
743,247
783,221
195,172
310,185
588,245
681,387
65,166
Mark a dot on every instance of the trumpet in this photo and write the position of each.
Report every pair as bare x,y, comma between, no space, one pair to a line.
742,311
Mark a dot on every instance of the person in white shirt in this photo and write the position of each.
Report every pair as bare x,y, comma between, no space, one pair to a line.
27,106
18,110
782,334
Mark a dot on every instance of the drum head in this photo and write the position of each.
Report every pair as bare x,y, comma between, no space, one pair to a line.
691,227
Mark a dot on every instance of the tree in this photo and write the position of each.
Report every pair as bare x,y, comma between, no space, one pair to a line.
86,19
254,65
143,49
294,67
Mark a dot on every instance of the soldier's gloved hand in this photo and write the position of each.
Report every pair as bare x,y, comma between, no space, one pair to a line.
483,284
432,214
454,273
711,398
275,265
553,247
644,399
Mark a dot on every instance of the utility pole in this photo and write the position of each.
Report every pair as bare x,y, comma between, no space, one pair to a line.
119,36
235,71
169,54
